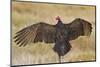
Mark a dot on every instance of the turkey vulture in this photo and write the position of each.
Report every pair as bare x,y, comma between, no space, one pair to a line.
60,34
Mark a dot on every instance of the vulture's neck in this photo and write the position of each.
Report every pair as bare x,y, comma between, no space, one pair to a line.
59,24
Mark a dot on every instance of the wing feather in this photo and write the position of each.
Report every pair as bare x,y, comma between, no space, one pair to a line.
79,27
35,33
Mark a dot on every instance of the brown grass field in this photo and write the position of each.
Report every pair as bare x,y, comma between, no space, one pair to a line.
25,14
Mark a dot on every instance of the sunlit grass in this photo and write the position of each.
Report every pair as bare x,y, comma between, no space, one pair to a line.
25,14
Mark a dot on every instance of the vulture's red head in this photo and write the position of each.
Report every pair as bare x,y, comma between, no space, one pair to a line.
58,18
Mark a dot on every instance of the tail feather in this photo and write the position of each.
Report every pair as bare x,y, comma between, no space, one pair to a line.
62,48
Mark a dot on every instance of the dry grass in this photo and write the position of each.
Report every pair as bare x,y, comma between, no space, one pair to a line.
25,14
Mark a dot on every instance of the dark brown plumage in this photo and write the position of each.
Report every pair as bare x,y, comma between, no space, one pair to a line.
60,34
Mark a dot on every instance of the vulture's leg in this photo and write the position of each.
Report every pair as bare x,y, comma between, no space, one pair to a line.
59,58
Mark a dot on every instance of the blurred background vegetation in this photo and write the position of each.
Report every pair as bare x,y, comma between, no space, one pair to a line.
28,13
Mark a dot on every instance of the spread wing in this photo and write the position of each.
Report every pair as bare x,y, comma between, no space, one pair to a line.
79,27
36,33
